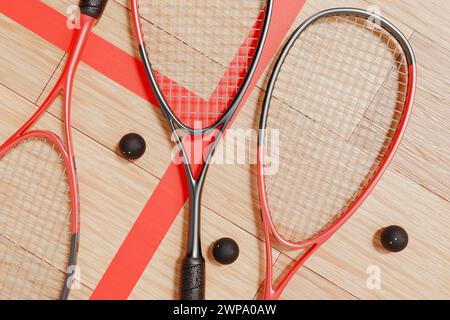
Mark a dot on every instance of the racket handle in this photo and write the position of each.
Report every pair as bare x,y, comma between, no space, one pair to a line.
193,279
93,8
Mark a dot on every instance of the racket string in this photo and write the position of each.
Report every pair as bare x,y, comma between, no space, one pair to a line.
201,52
16,284
317,84
58,179
337,103
328,97
35,231
22,176
39,284
311,185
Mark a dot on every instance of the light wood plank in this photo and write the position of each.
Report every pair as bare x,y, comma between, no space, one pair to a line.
23,70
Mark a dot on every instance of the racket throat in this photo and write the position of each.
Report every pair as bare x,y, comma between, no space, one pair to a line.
194,227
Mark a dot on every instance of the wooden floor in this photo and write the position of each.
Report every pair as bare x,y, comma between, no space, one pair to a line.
414,193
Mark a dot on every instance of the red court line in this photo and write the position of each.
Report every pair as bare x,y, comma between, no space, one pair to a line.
171,193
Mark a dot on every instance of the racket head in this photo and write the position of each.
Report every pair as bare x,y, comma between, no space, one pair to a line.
39,221
200,56
360,139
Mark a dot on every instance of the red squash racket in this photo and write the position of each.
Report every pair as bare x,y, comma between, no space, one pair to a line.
39,202
336,108
200,59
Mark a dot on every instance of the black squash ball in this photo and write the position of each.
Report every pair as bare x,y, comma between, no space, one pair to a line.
394,238
132,146
225,251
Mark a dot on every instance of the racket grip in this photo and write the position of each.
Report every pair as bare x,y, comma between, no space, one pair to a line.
193,279
93,8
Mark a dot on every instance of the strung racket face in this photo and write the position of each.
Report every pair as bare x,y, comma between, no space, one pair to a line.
339,99
35,221
202,54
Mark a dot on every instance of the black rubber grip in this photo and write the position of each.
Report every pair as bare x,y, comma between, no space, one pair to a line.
193,279
93,8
